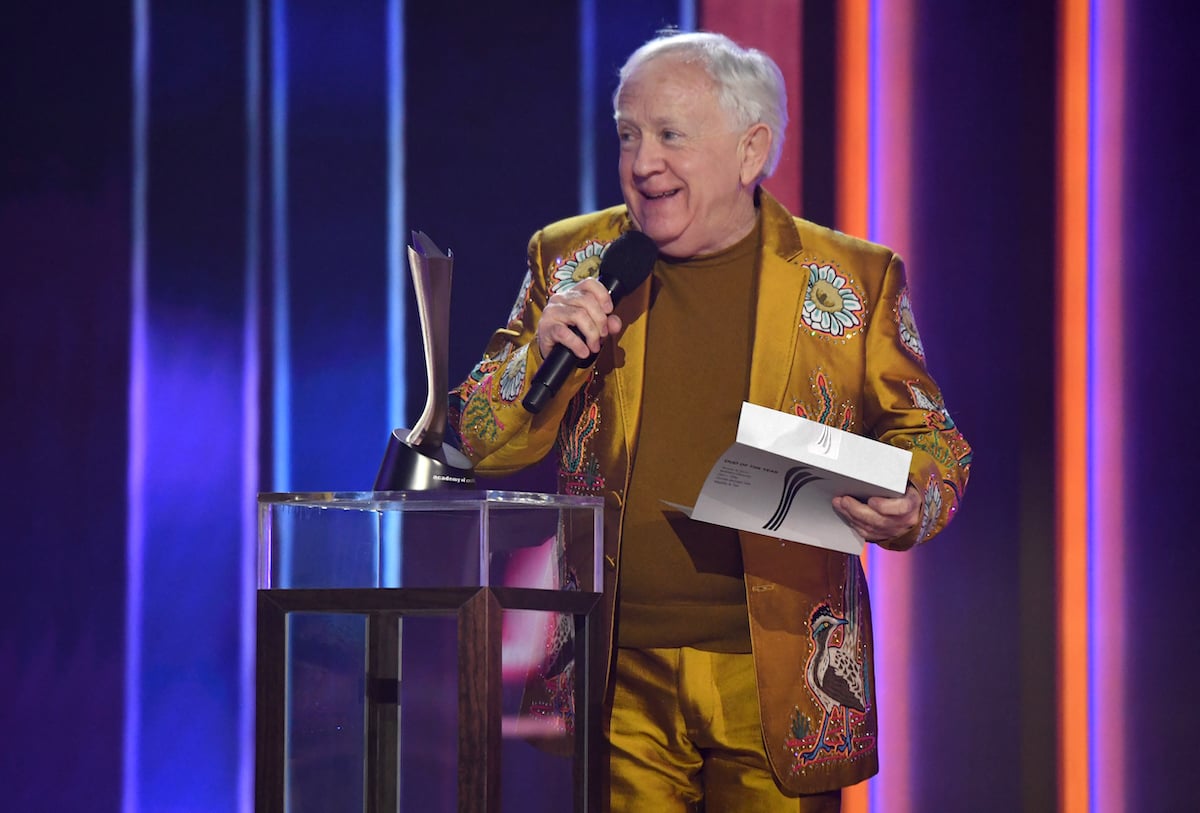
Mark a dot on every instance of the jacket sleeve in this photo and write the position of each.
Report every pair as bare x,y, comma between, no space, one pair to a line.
905,408
498,434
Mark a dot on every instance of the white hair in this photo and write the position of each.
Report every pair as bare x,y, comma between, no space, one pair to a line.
750,86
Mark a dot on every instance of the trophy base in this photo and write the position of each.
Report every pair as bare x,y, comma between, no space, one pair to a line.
417,468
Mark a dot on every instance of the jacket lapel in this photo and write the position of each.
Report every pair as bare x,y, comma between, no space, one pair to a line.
630,361
782,285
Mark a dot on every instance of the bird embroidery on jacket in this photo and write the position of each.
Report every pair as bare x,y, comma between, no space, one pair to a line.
835,676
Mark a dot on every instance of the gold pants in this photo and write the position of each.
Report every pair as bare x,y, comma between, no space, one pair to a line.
684,735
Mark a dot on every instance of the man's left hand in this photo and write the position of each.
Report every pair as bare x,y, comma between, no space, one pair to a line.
881,518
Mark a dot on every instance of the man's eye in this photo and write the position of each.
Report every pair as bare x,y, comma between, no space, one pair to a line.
669,135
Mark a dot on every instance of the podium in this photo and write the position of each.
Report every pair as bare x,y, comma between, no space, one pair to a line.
398,637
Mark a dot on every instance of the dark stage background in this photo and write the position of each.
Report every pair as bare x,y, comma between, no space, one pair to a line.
196,231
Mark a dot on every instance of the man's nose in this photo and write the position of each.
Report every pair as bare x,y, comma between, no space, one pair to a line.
647,157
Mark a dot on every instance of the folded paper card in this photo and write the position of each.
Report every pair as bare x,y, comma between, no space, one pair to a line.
779,479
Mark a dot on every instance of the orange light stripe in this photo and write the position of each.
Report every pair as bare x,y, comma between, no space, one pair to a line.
1072,428
853,101
852,109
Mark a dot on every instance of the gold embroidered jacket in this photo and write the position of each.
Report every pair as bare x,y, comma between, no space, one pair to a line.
834,341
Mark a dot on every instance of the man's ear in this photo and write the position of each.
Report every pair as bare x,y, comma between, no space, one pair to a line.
753,151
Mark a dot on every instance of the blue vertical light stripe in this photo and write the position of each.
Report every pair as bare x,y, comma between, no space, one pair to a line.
250,408
281,374
135,533
875,802
281,437
1107,674
587,105
1092,375
873,84
687,15
397,290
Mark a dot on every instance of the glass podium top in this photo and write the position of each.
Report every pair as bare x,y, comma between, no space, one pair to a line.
452,499
434,538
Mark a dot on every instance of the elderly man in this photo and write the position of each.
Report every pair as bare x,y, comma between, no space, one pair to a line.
740,675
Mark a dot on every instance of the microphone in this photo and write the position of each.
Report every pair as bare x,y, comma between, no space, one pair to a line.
625,265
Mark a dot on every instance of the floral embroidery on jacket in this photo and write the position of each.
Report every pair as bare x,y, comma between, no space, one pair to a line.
518,309
583,264
514,375
557,668
839,416
469,407
936,415
931,510
831,305
945,444
558,705
579,469
906,325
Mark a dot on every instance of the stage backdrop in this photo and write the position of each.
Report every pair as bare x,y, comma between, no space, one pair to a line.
203,213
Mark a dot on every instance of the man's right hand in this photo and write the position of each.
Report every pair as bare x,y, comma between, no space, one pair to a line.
587,308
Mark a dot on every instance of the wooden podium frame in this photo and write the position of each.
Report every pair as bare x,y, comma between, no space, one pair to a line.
478,613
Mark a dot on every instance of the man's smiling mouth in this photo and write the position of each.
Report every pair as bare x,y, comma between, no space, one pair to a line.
660,195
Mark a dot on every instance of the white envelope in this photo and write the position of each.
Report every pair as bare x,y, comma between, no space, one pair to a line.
783,471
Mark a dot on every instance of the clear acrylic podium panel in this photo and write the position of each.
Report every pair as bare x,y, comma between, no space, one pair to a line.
374,584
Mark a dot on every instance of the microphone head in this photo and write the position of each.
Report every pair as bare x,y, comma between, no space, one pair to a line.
627,262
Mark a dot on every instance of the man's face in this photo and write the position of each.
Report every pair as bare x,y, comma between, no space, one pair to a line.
683,168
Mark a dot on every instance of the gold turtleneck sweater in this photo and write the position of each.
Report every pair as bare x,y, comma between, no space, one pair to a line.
681,580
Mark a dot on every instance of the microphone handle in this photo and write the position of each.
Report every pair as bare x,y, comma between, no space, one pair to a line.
552,373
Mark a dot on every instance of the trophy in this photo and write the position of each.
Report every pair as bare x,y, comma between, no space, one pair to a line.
419,459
